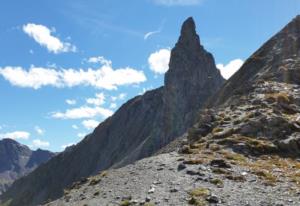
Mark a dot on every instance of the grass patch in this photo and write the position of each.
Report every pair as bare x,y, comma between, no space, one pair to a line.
217,182
200,192
197,202
125,203
280,97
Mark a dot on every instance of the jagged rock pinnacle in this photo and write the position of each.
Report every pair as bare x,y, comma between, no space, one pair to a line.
188,36
191,78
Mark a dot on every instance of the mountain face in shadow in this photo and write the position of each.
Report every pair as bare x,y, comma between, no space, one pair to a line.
138,129
17,160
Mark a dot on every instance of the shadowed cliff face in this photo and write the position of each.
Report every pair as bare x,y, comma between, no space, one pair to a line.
138,129
17,160
191,79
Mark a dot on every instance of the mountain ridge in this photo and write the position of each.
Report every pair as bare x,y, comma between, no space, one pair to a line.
17,160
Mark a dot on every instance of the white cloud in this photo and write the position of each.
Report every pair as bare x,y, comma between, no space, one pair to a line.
228,70
144,90
67,145
39,130
74,126
35,78
42,35
99,100
81,135
90,124
83,112
159,61
99,59
40,143
177,2
151,33
113,106
15,135
105,77
71,101
121,96
114,98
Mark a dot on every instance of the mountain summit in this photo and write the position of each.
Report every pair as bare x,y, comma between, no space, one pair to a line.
17,160
191,79
138,129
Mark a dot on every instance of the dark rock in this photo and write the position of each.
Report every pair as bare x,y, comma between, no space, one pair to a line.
148,199
174,190
212,199
194,172
220,163
291,144
181,166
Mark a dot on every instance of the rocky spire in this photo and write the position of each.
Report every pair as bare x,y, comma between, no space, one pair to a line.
192,77
188,36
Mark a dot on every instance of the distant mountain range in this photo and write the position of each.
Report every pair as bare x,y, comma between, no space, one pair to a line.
17,160
228,143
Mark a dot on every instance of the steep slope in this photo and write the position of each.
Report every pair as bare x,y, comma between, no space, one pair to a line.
138,129
17,160
277,60
243,151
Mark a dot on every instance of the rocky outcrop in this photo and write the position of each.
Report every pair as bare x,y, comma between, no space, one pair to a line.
191,79
138,129
17,160
277,60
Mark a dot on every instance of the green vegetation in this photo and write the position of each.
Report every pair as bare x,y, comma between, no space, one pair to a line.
217,182
125,203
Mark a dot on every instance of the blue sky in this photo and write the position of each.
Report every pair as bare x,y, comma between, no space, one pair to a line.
67,65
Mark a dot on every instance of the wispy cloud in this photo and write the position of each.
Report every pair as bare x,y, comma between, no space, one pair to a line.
82,112
120,96
71,101
39,130
177,2
81,135
42,35
105,77
67,145
98,100
229,69
74,126
151,33
147,35
40,143
90,124
15,135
